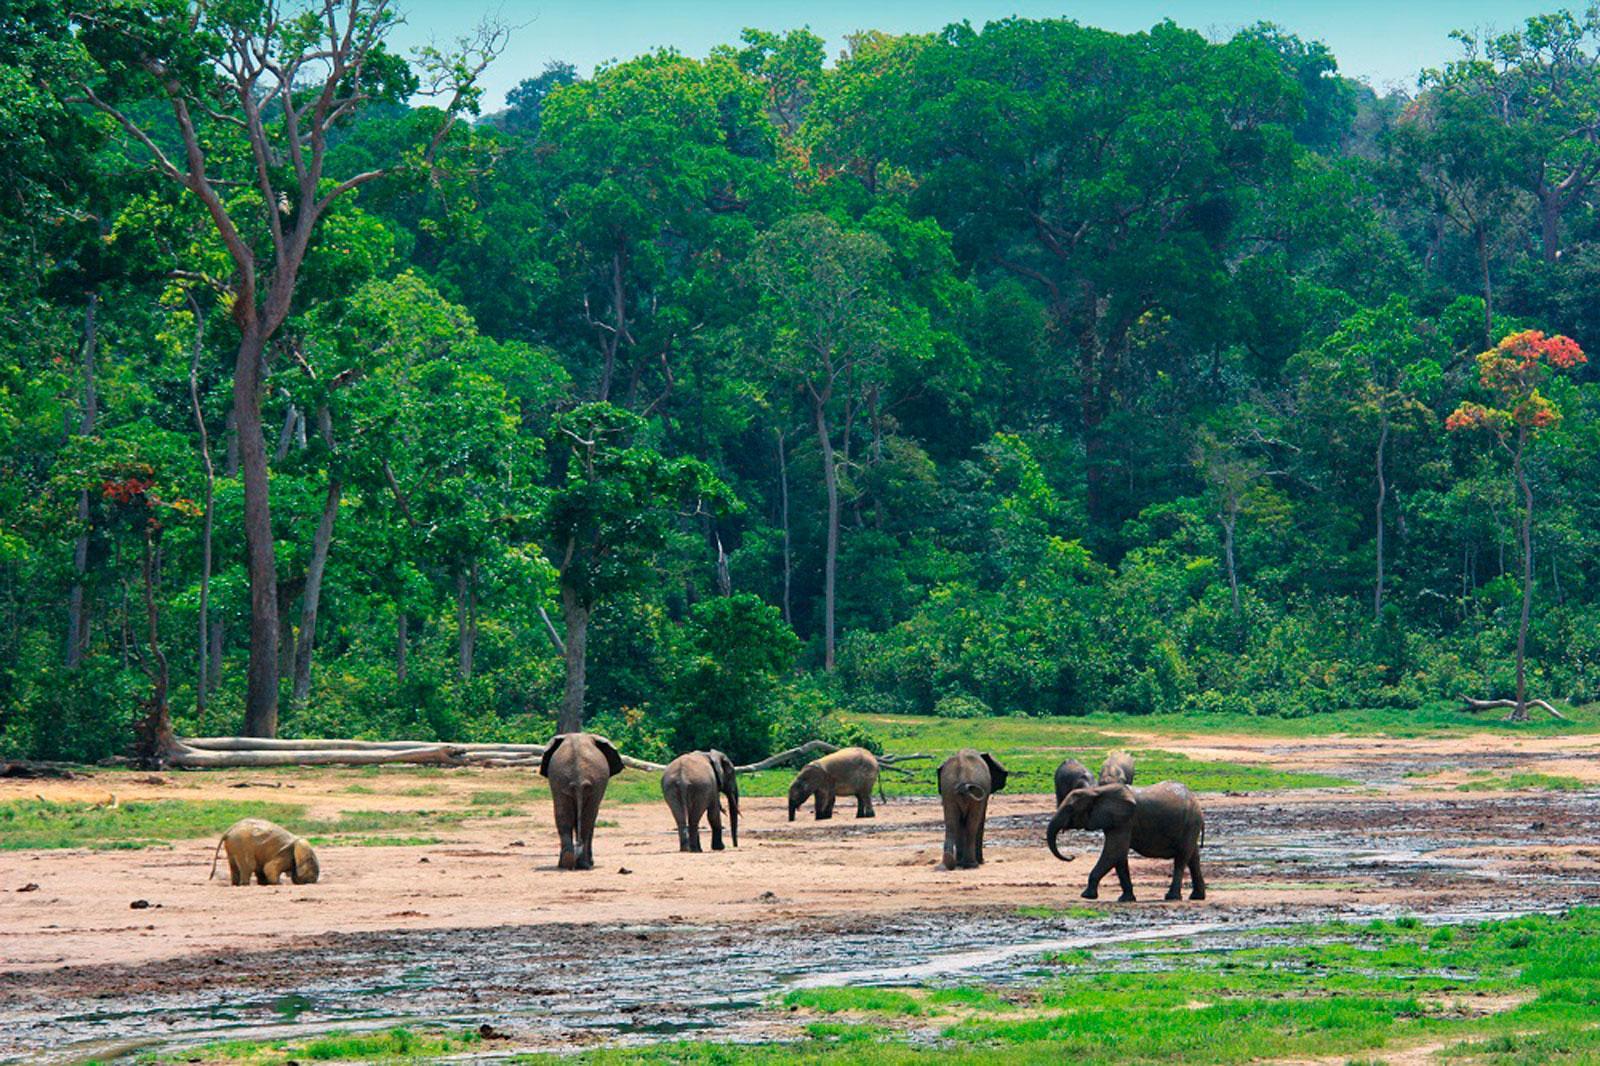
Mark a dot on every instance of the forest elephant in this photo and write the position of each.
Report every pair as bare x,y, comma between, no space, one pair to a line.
966,781
693,785
257,848
1070,776
846,772
1160,822
1118,769
579,765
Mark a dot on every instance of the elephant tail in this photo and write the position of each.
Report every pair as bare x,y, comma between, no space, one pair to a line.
214,855
971,791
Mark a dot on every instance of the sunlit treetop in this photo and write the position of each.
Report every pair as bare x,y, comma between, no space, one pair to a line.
1512,371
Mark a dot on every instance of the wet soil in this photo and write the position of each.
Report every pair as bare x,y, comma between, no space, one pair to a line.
486,931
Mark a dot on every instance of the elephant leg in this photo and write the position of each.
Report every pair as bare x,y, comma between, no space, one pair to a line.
714,819
695,811
1176,891
567,827
1102,866
980,818
1126,879
1197,881
824,805
675,804
236,872
864,805
951,857
591,811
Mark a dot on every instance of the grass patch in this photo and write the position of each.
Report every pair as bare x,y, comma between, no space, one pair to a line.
1523,781
392,1045
29,824
1524,990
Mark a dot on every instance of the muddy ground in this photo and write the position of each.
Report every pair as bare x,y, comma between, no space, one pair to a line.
481,928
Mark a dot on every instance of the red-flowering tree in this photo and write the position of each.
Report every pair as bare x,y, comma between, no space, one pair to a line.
1512,372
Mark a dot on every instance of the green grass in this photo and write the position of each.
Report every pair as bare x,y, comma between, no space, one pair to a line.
1525,990
142,824
1032,748
392,1045
1521,780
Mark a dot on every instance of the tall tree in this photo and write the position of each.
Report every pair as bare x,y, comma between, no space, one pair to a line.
255,92
1511,373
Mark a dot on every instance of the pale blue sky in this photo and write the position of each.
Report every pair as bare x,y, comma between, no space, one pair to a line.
1385,42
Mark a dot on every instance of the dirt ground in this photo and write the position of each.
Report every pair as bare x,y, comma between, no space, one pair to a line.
1405,841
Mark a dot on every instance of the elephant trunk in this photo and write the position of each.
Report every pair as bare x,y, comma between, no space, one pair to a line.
1059,822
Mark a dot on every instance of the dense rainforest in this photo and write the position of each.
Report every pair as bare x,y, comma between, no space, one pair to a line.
1023,369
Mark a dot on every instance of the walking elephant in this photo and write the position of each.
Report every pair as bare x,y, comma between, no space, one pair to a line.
846,772
579,765
260,849
693,785
1071,775
966,781
1163,821
1118,769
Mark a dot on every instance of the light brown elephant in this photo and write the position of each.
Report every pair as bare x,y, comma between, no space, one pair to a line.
1117,768
259,849
1163,821
692,785
579,766
966,781
846,772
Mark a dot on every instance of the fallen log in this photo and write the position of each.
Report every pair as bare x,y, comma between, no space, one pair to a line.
193,759
198,753
1475,706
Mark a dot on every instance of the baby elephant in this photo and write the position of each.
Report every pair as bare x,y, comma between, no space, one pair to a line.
1159,822
1117,768
846,772
259,849
966,781
579,765
692,785
1070,776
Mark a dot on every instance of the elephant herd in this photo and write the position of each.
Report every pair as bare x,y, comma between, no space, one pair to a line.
1161,821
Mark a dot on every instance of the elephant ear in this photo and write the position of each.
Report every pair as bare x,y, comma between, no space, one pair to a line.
549,750
613,759
727,776
997,773
1112,808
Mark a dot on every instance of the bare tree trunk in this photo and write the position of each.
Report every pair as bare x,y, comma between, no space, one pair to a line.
1230,521
788,553
576,616
402,637
204,680
1550,224
155,739
1383,495
261,694
1488,292
830,476
1520,713
466,619
76,630
312,597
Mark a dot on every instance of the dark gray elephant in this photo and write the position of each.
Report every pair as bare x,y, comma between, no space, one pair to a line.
966,781
1160,822
1118,768
1071,775
579,765
692,785
846,772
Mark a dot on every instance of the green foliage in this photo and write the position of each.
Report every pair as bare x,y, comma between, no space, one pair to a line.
1009,371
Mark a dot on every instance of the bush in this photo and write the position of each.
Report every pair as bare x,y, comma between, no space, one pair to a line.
960,705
